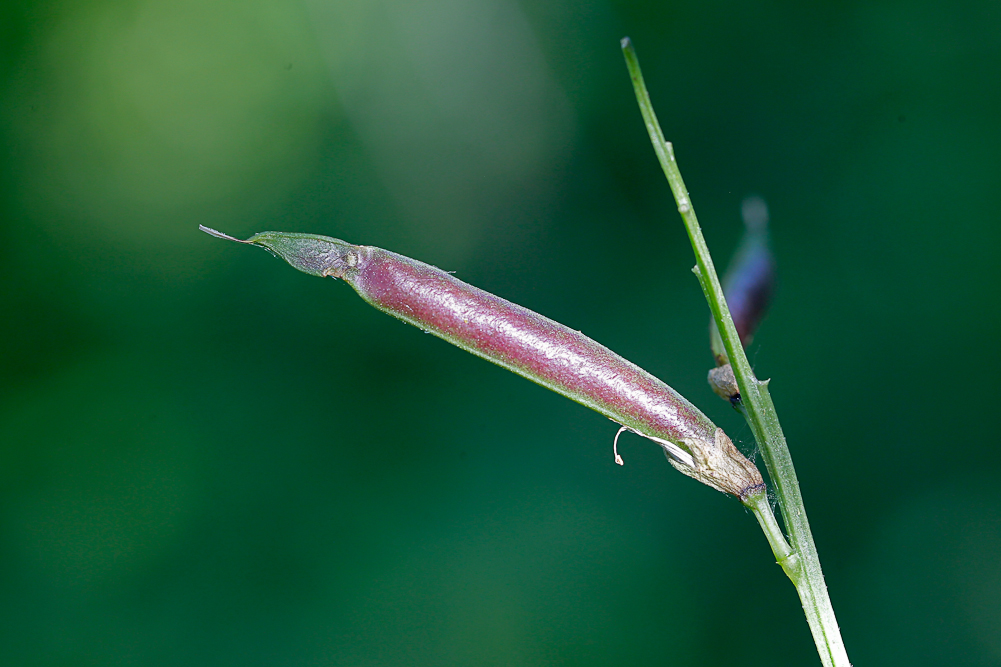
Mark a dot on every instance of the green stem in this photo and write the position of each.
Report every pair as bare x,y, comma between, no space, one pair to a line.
804,569
784,555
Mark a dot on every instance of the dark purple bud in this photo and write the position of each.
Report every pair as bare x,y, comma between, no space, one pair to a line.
528,344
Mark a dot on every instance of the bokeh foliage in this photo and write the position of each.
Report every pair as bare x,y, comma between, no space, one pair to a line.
208,457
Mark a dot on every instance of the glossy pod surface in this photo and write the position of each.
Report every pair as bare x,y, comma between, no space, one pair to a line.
529,344
749,286
525,342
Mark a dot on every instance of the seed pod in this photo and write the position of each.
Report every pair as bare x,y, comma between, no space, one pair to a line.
528,344
748,286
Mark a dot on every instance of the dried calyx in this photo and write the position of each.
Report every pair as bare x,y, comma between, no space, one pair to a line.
718,464
724,383
721,465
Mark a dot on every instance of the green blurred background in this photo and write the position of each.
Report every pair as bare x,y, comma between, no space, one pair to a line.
209,458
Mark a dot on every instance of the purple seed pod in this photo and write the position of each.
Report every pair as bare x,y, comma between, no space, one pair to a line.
748,286
528,344
750,279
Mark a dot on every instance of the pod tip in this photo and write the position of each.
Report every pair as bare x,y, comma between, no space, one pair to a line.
754,211
219,235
